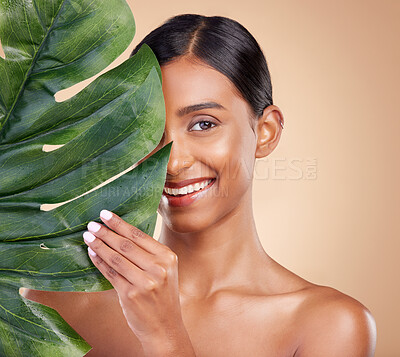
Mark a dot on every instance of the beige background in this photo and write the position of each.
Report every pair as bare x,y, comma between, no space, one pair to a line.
327,199
335,74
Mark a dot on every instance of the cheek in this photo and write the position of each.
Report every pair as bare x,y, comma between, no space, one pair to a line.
233,159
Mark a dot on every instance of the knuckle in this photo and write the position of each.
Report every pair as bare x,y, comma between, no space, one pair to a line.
116,259
136,233
126,245
161,272
111,272
132,294
116,221
172,258
150,285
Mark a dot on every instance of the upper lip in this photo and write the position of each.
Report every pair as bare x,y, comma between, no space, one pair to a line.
183,183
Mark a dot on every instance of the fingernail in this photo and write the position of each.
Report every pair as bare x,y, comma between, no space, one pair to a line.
93,226
88,237
91,252
105,214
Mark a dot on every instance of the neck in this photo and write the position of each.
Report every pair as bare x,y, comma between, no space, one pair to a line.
224,255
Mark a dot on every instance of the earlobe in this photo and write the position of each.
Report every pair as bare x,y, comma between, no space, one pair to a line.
269,128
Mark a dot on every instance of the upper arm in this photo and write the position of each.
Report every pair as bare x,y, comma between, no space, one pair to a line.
341,327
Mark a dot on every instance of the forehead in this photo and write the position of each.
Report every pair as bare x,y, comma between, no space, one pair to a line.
188,81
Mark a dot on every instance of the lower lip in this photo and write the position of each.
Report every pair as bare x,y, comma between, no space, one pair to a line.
186,200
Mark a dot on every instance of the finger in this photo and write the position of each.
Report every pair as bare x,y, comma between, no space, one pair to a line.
113,265
125,246
122,285
116,279
125,229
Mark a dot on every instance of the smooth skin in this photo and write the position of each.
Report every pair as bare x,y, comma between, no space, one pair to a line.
207,287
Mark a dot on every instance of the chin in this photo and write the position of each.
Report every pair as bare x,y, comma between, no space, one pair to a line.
184,224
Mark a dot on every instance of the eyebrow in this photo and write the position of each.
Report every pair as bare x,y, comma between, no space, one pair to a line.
192,108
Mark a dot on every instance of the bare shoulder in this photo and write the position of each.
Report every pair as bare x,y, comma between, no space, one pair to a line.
332,323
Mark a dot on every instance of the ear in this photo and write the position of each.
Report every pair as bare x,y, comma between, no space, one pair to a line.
268,129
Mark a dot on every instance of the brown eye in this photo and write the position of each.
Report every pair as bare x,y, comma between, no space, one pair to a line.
203,125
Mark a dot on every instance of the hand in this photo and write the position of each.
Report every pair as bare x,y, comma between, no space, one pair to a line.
144,273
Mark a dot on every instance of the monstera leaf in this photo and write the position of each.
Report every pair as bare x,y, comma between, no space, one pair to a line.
113,123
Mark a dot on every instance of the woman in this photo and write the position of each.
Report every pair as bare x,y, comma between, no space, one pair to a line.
207,287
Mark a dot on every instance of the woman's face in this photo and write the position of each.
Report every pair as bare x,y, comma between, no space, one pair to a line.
213,146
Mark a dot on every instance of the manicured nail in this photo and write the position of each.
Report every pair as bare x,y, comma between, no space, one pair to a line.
88,237
105,214
91,252
93,226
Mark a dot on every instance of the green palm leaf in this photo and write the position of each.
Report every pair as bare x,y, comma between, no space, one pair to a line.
113,123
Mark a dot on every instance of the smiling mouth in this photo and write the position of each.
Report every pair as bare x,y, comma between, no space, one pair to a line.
188,189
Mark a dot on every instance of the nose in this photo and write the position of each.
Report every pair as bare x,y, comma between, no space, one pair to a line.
180,157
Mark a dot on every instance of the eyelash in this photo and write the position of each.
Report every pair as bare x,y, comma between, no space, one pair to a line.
203,121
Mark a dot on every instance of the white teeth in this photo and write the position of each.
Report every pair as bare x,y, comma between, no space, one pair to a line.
186,189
